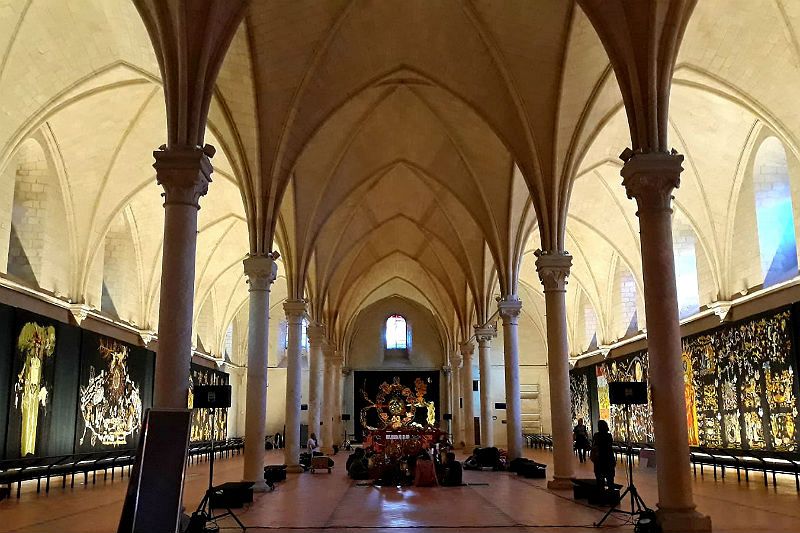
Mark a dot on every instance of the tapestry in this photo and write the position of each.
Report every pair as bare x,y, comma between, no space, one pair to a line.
640,423
394,399
115,388
202,429
579,397
32,389
742,380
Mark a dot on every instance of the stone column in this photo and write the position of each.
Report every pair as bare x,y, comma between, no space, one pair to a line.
484,337
261,271
650,179
316,338
553,269
295,313
343,373
455,364
185,173
467,349
338,394
446,397
510,308
327,399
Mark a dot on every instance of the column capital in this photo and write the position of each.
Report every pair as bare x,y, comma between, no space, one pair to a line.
650,178
509,308
446,369
346,370
484,335
261,270
295,311
466,349
553,269
316,334
184,172
455,360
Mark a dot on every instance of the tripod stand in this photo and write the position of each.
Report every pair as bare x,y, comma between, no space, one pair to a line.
205,513
638,507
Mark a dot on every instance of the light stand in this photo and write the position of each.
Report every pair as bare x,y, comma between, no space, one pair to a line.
638,507
204,511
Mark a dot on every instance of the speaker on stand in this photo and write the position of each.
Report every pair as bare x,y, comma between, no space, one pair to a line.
627,393
345,441
227,495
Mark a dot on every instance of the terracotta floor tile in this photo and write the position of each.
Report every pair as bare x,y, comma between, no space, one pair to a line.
496,502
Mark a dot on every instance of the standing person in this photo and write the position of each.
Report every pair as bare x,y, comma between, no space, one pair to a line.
602,456
313,445
580,436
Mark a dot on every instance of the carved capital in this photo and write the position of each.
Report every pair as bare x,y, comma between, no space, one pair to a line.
466,349
509,308
553,269
147,336
346,371
295,311
316,334
484,335
447,370
184,172
261,270
651,177
80,312
455,360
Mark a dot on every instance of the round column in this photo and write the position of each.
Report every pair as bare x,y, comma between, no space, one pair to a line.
327,426
261,271
553,270
338,394
457,429
445,396
650,178
316,337
467,349
185,174
510,308
295,313
484,338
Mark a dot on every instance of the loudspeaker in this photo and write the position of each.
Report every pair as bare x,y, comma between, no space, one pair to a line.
500,405
232,495
212,396
627,392
447,416
345,417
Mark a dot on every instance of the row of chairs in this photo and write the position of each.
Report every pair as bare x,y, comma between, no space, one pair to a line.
63,466
767,463
538,440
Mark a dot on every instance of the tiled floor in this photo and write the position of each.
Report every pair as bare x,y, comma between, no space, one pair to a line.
497,502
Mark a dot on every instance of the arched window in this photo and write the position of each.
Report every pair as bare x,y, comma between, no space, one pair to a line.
774,217
396,333
684,245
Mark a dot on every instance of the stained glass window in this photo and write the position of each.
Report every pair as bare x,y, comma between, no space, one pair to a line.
396,333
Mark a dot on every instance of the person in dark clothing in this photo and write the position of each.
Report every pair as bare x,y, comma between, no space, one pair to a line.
602,456
580,436
452,471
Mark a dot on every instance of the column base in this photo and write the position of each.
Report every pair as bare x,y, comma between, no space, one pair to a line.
260,486
560,483
294,469
682,520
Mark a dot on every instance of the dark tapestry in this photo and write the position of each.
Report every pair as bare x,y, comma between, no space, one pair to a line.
202,418
629,368
579,397
367,386
741,390
116,382
32,379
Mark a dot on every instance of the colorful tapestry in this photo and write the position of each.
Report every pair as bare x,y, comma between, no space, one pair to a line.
32,389
579,397
204,422
640,423
743,382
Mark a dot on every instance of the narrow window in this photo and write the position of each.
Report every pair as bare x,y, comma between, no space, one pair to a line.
396,333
